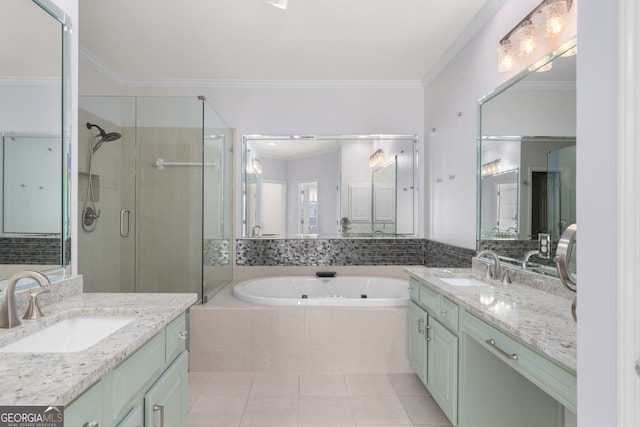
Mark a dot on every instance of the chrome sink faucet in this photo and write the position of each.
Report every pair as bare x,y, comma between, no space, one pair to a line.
526,258
8,316
255,230
496,269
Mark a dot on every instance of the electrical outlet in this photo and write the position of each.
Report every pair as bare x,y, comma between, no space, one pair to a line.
544,245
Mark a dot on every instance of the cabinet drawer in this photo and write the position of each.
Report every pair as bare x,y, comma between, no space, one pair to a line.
549,376
429,299
414,290
176,338
448,313
135,372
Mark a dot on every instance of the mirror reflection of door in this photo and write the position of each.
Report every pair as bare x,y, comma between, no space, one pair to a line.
384,198
508,207
271,199
308,207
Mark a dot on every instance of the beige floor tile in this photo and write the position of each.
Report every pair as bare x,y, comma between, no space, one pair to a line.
407,384
369,385
216,410
322,385
227,384
270,384
271,411
325,411
424,410
379,410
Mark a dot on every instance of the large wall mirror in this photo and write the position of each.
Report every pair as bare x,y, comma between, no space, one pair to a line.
328,186
527,161
34,138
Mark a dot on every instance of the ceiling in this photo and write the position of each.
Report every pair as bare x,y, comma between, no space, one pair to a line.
146,40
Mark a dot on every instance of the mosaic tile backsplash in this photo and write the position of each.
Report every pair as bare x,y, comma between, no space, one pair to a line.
304,252
32,250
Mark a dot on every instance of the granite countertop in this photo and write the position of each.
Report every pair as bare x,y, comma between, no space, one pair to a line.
538,318
58,378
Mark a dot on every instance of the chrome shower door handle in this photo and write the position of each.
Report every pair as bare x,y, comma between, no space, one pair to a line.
124,222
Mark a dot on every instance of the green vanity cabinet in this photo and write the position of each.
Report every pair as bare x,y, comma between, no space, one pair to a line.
148,385
532,389
433,347
416,322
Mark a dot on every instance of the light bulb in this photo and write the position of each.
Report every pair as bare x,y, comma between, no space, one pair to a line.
553,17
527,38
506,56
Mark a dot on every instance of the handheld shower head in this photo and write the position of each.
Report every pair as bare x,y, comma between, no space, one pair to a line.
104,136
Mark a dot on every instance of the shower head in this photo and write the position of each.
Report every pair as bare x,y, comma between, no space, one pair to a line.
104,136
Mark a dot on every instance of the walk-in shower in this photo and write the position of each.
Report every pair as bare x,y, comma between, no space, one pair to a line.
160,229
90,214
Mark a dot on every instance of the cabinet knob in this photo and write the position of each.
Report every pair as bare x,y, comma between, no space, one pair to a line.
91,424
443,313
183,335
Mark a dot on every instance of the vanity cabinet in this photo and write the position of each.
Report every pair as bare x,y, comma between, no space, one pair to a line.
433,346
533,389
150,385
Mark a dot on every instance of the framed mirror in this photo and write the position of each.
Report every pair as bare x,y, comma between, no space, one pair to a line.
526,162
35,131
328,186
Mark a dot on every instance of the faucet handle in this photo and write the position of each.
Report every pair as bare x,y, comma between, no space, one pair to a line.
33,311
506,279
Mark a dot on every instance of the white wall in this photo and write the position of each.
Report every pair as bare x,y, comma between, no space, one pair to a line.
597,203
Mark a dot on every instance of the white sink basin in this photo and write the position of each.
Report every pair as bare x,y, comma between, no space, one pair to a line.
69,335
463,281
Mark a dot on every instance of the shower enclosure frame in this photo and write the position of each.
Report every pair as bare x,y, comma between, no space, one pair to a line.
170,177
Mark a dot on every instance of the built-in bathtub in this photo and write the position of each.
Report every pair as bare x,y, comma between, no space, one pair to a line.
341,291
328,334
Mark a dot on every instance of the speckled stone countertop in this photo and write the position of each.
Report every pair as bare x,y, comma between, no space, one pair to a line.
538,318
58,378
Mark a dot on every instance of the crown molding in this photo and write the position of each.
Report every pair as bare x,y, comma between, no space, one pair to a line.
481,18
100,66
275,84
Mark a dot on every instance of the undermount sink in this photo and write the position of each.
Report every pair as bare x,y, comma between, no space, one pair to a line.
463,281
69,335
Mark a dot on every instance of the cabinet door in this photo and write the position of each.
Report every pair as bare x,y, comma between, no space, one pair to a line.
86,410
442,368
416,322
134,418
166,402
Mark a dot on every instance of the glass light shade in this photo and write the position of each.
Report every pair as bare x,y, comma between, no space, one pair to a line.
527,38
506,56
281,4
553,17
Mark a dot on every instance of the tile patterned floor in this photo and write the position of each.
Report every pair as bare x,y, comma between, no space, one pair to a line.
224,399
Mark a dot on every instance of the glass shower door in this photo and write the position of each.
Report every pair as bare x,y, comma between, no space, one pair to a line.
561,189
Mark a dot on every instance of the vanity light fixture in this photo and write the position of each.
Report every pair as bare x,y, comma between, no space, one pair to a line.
491,167
280,4
547,20
376,158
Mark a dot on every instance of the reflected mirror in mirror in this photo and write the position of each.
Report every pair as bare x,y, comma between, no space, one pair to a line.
328,186
526,178
34,133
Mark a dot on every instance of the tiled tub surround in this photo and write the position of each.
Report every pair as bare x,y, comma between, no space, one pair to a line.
537,317
229,335
360,251
58,378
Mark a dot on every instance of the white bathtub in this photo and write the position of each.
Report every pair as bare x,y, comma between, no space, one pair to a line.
339,291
